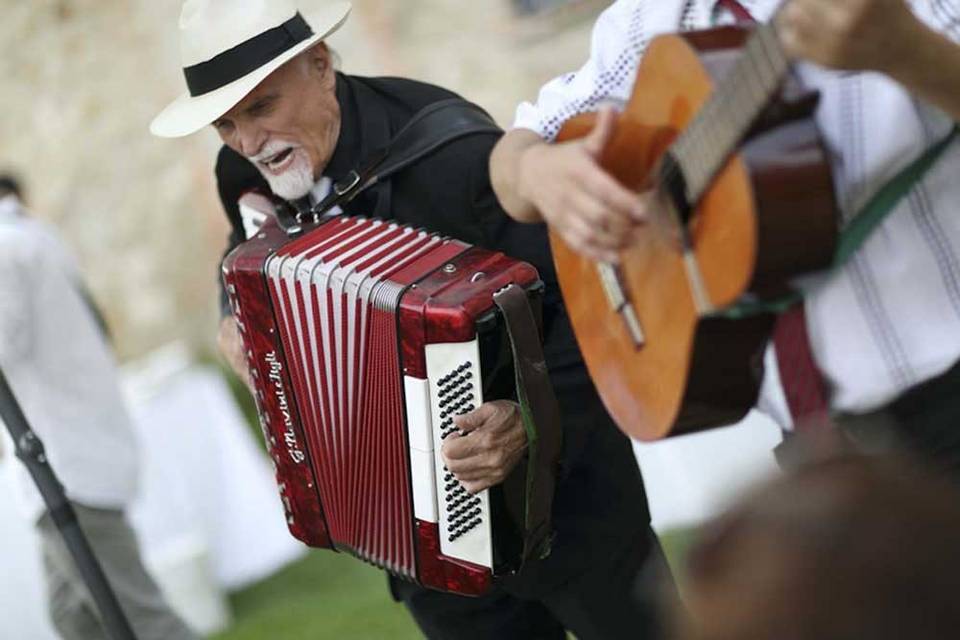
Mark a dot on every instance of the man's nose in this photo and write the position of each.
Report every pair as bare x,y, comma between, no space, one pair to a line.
251,139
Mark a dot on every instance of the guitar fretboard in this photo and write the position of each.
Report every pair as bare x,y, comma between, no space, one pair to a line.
719,127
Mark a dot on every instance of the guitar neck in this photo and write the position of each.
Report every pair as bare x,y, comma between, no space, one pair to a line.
717,130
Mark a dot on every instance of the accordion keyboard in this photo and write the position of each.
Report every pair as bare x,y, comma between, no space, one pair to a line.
464,519
456,398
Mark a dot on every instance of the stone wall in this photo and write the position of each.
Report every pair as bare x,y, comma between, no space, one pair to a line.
83,78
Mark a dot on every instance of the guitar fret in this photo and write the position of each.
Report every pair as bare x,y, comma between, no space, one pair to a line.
724,120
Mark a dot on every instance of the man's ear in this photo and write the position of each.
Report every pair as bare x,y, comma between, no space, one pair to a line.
319,58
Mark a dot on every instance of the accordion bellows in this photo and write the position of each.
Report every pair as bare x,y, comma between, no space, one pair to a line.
362,340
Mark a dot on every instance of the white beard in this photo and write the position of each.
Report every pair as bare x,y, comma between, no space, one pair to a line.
296,181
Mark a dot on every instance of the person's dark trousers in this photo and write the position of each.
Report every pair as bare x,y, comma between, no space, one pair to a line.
925,420
605,603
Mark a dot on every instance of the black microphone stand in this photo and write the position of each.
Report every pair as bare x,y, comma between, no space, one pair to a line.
30,450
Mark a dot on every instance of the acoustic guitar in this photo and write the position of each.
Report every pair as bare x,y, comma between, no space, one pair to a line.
725,134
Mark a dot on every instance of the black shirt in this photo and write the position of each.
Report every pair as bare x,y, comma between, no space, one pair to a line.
600,505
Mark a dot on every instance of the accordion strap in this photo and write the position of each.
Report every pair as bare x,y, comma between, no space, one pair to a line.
541,420
428,130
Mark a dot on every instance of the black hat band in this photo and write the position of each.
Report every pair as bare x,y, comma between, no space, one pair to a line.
246,57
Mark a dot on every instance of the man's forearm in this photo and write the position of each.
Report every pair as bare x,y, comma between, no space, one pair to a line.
875,35
505,164
930,67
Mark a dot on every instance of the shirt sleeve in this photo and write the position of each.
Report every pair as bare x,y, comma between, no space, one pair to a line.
16,334
943,17
618,40
235,175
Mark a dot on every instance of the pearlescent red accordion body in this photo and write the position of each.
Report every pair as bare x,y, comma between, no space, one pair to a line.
362,340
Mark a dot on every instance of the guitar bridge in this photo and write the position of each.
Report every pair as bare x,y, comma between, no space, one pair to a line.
617,297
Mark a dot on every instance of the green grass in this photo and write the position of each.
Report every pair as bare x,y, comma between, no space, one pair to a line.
333,595
325,595
676,544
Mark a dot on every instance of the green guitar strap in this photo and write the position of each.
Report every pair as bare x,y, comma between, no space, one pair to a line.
886,199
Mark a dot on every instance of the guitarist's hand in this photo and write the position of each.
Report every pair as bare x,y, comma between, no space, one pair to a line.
856,35
493,443
588,207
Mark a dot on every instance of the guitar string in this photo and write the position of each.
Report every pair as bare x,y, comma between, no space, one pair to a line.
704,147
761,69
738,110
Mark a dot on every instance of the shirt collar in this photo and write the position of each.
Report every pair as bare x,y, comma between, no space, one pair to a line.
346,154
760,9
364,127
10,208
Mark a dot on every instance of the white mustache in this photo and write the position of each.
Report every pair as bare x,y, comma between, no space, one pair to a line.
272,148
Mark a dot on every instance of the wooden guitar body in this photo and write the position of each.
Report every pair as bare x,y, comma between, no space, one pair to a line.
768,216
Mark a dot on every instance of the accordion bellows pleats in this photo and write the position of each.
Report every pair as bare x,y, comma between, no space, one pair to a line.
362,341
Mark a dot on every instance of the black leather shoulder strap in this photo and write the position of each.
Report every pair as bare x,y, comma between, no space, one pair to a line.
428,130
541,421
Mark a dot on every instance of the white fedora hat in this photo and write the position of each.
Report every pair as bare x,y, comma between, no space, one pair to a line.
227,47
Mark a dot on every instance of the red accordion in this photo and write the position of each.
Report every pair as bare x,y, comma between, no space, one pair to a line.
364,338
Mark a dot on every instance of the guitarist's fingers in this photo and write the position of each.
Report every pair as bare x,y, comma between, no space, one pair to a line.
830,14
615,196
609,224
597,232
797,26
602,131
853,34
650,205
587,240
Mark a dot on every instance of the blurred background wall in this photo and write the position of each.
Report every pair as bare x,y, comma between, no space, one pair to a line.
81,80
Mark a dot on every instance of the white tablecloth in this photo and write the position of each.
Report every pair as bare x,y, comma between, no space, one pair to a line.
206,475
693,477
208,515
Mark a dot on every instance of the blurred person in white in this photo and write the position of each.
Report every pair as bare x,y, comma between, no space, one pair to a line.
883,329
53,351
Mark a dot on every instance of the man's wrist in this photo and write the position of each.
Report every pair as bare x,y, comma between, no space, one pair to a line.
909,49
528,159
